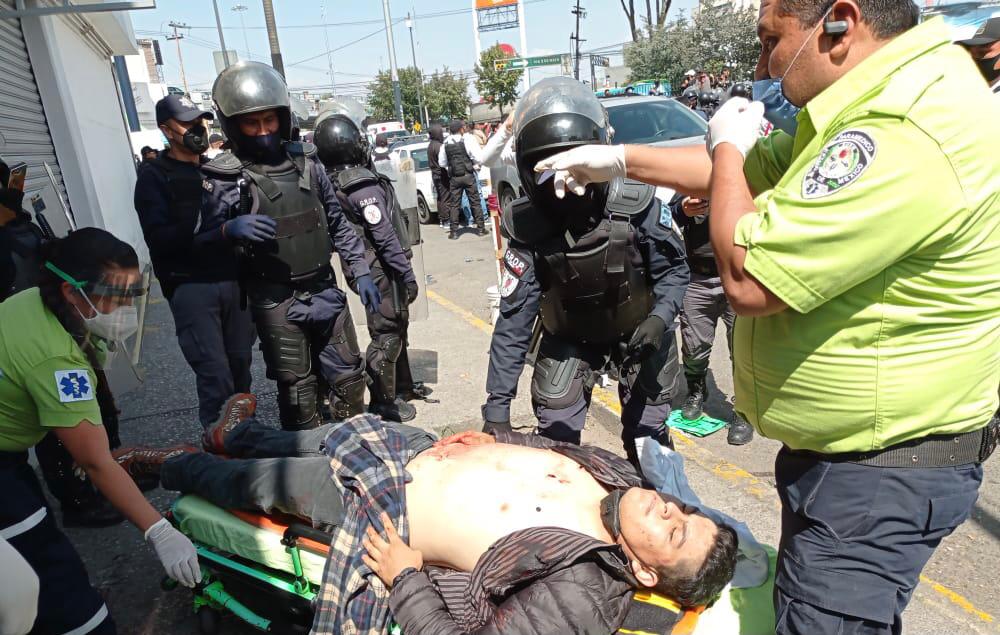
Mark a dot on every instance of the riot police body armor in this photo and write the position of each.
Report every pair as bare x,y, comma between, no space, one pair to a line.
459,161
370,205
306,332
597,270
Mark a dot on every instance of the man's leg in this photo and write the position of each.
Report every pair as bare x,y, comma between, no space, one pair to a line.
740,431
254,440
239,335
854,539
646,393
301,487
560,389
472,192
198,309
381,362
455,189
698,320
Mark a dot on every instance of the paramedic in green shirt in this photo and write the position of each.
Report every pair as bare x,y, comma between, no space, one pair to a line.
860,247
52,340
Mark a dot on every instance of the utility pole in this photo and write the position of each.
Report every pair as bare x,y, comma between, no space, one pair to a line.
420,75
329,55
222,38
241,9
177,37
272,37
397,97
579,13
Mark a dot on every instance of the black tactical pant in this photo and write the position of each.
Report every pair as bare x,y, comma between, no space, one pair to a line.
445,201
466,184
564,377
305,331
386,361
705,304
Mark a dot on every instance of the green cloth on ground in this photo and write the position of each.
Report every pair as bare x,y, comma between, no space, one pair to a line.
700,427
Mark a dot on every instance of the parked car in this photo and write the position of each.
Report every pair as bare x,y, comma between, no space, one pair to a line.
655,121
426,196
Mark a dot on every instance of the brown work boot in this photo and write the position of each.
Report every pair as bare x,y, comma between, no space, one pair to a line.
235,411
143,464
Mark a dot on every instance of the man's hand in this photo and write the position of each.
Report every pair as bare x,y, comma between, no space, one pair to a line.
694,206
469,437
389,556
738,122
508,123
253,227
577,168
368,292
411,292
647,338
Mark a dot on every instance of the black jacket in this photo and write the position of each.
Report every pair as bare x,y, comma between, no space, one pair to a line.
537,581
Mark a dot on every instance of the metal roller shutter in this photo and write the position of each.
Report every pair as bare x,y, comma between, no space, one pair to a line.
24,131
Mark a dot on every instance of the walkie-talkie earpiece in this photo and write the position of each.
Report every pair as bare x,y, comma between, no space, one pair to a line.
834,27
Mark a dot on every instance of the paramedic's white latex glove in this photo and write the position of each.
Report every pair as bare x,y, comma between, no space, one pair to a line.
738,122
577,168
175,551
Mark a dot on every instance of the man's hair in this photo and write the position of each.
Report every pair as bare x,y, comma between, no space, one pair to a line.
456,126
714,574
381,140
886,18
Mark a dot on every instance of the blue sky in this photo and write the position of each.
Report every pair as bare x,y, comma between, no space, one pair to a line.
443,37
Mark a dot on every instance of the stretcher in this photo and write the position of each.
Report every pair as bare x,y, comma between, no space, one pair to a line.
266,571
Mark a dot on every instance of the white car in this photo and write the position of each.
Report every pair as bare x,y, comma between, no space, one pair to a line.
426,196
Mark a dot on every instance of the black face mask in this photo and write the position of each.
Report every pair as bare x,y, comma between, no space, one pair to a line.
986,68
610,515
11,198
264,148
195,139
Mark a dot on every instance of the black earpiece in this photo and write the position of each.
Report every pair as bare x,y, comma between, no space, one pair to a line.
834,27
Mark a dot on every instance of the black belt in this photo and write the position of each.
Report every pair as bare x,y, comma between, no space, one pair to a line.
941,450
703,267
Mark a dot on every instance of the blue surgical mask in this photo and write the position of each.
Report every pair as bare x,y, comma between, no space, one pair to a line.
777,109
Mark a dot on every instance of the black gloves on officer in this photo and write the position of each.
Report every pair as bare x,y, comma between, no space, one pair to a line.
647,338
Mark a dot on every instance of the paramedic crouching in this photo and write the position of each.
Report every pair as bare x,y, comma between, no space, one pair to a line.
860,250
51,385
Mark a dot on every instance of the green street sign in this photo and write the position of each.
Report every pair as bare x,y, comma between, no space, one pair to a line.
520,63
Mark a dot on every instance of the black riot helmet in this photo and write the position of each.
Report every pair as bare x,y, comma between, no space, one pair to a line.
247,87
739,90
339,134
706,99
557,114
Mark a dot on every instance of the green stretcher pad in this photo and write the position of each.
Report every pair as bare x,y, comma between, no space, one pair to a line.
700,427
216,528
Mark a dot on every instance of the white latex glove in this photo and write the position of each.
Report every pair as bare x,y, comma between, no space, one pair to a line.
579,167
175,551
739,122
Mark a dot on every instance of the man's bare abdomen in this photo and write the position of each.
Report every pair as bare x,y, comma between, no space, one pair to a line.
464,498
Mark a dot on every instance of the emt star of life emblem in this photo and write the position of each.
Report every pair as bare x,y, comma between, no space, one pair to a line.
840,163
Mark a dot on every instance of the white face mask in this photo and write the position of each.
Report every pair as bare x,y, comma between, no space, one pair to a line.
117,326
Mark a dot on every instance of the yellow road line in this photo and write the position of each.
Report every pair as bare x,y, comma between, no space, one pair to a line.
707,459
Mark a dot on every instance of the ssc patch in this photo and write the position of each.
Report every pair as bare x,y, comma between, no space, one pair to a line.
840,163
515,263
74,385
373,214
508,284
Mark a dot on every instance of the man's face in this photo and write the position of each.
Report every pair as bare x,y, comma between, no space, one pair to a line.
703,77
659,531
781,36
986,51
149,156
258,124
174,130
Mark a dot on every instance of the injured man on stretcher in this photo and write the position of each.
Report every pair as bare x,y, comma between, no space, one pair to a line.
511,533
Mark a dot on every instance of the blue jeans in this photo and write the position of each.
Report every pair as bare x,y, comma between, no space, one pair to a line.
467,209
273,471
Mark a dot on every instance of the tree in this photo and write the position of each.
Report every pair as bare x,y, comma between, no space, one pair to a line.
381,98
656,17
496,87
712,40
446,96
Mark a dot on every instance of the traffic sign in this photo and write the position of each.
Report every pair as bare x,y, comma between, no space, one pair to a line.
520,63
600,60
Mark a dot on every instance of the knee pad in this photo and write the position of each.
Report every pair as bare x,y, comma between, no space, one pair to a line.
561,377
297,403
345,338
286,352
349,394
384,349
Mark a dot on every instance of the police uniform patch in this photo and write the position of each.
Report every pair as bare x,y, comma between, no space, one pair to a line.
840,163
373,214
515,263
74,385
508,284
207,185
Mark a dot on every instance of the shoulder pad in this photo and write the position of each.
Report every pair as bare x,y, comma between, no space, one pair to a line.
225,164
300,148
355,177
629,197
523,223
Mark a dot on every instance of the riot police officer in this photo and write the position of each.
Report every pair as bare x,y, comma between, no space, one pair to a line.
707,103
369,203
604,271
705,304
284,210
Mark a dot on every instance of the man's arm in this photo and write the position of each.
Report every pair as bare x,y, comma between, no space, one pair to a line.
345,239
163,235
495,146
686,169
473,148
731,200
373,205
668,266
442,158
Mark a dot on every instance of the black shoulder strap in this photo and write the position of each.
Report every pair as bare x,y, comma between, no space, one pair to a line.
225,165
628,197
523,223
355,177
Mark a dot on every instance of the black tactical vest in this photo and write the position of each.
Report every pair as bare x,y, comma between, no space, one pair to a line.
595,287
350,180
459,161
301,249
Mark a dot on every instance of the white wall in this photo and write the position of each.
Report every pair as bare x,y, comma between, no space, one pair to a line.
80,96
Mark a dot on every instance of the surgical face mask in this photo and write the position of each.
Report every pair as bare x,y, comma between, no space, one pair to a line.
986,68
116,326
195,139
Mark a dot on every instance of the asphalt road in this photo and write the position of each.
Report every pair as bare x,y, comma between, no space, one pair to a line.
449,351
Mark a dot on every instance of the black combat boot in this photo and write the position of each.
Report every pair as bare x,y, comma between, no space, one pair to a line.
452,235
697,393
397,410
740,432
